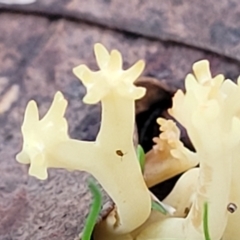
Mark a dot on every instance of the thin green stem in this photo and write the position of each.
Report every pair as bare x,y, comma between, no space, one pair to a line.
205,222
94,210
159,207
141,156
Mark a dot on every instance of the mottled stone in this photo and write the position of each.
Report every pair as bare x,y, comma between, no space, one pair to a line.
204,24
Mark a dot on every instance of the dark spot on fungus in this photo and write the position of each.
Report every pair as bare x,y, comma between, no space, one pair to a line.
231,207
119,153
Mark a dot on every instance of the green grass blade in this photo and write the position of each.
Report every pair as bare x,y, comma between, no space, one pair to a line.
141,156
158,207
205,222
94,210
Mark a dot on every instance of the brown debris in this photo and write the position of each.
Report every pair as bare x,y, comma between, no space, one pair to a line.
157,91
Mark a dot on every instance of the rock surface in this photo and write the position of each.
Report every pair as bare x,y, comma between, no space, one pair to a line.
203,24
39,45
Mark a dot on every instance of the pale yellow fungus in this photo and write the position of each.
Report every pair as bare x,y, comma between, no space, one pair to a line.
110,77
168,157
46,142
209,111
39,136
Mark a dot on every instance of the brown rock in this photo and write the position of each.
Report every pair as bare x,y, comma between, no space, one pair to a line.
201,24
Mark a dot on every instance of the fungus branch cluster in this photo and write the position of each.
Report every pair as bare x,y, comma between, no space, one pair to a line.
209,111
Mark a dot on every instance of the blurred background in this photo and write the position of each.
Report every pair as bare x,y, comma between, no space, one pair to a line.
42,40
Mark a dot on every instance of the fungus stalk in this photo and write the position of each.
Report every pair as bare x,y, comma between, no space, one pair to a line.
215,136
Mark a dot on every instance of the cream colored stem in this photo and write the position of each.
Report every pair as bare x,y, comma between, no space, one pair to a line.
186,184
232,230
118,117
214,188
113,176
63,155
